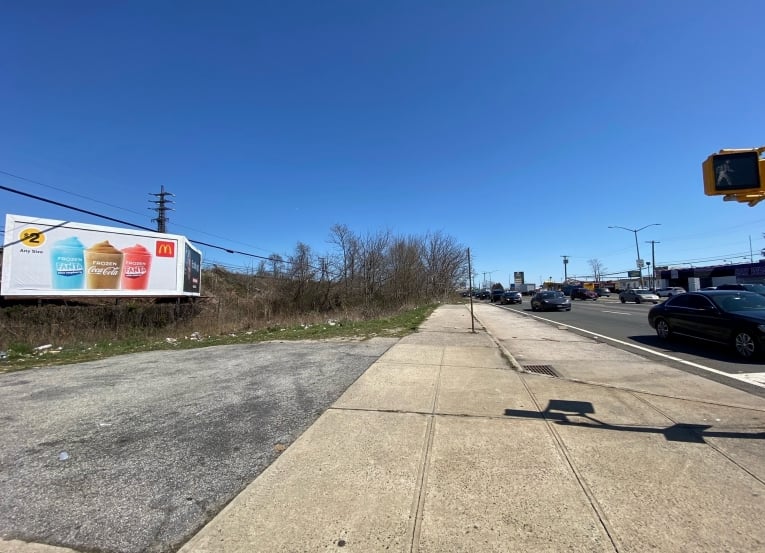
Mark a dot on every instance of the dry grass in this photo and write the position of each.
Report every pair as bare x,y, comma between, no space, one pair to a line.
233,311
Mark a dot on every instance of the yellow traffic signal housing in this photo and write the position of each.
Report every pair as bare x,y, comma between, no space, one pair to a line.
734,172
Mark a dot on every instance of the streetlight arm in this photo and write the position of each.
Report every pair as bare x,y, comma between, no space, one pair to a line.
651,225
637,247
636,230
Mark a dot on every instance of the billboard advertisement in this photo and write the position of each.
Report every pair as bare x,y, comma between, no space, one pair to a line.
49,258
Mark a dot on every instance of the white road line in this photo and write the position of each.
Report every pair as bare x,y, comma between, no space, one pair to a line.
758,379
616,312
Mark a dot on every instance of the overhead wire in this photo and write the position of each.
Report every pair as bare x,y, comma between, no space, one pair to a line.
133,225
25,179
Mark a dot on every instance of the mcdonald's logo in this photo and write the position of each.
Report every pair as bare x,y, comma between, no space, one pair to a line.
165,249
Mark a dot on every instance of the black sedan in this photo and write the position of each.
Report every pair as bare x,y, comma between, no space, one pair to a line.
510,296
550,300
730,317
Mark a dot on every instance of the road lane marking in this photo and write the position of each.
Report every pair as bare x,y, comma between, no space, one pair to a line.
742,377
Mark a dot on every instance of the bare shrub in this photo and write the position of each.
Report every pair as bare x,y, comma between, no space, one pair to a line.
365,278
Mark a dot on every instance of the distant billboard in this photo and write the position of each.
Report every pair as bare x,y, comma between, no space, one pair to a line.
518,277
49,258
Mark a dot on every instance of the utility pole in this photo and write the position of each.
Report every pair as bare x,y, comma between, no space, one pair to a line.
653,261
161,209
565,269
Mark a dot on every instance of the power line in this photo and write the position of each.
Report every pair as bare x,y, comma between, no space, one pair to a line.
67,192
46,200
120,221
25,179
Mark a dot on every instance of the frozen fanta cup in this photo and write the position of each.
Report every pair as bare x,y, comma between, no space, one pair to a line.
136,266
103,266
67,264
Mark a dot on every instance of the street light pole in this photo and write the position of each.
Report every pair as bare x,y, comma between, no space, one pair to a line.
637,247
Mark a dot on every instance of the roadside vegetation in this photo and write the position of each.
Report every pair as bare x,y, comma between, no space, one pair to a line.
379,285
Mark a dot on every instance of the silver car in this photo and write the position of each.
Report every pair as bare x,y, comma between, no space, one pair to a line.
638,295
669,292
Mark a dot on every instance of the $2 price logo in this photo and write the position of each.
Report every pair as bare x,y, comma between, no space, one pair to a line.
32,237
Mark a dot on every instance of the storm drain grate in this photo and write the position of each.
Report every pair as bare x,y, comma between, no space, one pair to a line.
540,369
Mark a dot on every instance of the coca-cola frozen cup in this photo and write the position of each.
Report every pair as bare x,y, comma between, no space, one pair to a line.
136,265
103,266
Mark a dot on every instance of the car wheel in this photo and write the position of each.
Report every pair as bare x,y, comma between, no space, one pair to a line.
623,300
662,329
638,300
744,344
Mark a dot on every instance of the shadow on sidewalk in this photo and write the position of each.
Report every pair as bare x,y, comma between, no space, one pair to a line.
561,411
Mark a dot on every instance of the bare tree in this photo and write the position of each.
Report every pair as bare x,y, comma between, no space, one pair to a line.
407,272
277,265
344,263
446,262
302,272
597,269
374,263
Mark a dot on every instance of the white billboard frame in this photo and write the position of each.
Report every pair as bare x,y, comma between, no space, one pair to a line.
48,258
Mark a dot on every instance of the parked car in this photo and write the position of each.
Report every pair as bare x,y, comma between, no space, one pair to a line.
568,288
550,300
731,317
496,294
603,292
669,292
756,288
511,296
638,295
583,294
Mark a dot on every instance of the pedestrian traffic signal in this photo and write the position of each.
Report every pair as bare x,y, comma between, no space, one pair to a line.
734,172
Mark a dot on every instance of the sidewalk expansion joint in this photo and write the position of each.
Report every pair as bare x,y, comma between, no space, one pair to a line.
418,505
561,446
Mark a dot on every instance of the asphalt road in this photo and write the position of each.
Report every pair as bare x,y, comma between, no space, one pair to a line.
627,323
136,453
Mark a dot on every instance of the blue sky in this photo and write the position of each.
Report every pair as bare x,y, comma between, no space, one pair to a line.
522,129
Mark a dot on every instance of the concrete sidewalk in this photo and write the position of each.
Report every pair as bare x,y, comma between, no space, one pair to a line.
446,445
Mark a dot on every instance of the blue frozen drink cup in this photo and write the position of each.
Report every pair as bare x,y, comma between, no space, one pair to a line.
68,264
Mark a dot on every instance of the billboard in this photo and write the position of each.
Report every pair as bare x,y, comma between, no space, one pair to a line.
49,258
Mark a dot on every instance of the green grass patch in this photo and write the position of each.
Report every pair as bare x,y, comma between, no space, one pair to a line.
394,326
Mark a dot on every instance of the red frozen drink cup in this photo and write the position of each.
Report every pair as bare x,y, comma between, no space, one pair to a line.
136,265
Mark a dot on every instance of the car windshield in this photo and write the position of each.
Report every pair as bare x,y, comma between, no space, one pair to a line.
739,302
759,288
642,292
549,295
